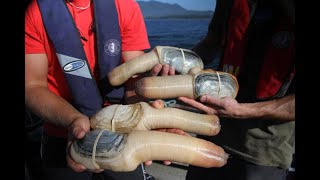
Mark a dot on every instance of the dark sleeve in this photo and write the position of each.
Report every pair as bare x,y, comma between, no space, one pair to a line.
219,21
292,87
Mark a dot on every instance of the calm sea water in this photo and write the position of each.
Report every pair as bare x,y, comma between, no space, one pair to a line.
182,33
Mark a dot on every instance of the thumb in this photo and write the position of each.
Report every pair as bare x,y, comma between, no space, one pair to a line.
78,132
203,99
158,104
79,127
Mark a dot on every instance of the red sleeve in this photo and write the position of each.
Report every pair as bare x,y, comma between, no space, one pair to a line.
33,23
133,30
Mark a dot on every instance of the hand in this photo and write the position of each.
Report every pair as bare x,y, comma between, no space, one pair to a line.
77,130
223,107
158,104
164,69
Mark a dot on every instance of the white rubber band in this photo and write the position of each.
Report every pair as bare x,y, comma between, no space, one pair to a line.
94,150
219,83
112,125
183,59
113,119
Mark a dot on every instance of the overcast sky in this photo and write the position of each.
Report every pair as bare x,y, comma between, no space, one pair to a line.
191,4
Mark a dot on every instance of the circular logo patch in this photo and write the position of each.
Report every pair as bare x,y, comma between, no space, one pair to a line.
112,47
282,39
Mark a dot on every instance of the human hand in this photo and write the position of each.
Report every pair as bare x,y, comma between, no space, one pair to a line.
77,130
223,107
158,104
162,70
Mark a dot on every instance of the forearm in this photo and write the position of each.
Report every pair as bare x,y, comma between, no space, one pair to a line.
282,109
50,107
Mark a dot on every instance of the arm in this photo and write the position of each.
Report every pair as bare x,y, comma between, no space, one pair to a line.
49,106
43,102
282,109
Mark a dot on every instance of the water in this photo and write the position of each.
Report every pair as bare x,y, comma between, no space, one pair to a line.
182,33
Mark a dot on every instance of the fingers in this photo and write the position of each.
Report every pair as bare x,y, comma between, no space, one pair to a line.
148,163
165,70
198,105
211,100
162,70
174,131
79,127
156,70
158,104
97,170
71,163
178,131
75,166
188,100
172,70
78,132
127,153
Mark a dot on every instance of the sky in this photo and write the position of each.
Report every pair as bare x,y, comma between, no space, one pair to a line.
191,4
